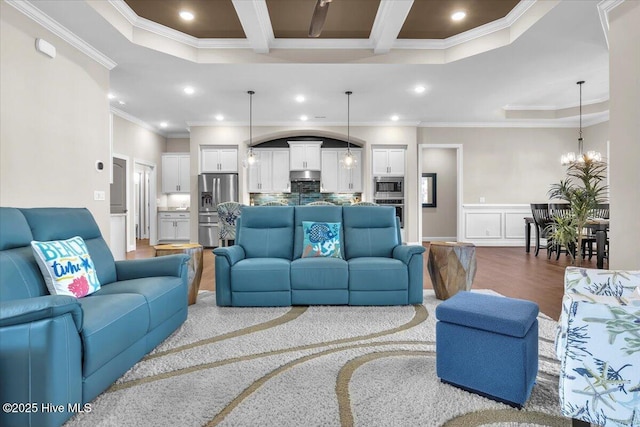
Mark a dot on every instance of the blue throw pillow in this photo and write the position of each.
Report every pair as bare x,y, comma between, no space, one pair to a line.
321,239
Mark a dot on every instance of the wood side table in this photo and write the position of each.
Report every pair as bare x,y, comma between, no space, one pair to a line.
452,267
194,265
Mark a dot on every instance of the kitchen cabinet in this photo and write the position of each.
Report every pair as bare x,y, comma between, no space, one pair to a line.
270,173
350,180
176,174
218,160
304,155
337,179
388,161
173,226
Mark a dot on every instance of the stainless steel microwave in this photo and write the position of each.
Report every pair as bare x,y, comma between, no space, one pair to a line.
388,187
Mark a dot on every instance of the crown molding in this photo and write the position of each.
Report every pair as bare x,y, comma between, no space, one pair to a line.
297,124
344,44
548,123
31,11
604,7
135,120
553,107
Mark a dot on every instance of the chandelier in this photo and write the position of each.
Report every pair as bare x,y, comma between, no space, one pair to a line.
251,156
348,160
572,157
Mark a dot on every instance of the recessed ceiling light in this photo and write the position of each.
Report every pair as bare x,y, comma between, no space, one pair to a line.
395,118
419,89
186,15
111,96
189,90
459,15
219,117
300,98
304,118
121,102
163,125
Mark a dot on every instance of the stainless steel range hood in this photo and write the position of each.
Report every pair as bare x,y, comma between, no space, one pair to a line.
296,176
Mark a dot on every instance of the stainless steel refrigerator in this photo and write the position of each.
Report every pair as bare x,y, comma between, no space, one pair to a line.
213,188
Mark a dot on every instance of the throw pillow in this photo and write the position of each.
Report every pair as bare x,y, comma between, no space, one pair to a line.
66,267
321,239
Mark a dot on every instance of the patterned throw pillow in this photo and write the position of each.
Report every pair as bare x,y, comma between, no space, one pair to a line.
66,267
321,239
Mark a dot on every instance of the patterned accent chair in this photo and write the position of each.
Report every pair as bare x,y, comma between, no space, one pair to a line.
598,345
365,204
274,203
228,213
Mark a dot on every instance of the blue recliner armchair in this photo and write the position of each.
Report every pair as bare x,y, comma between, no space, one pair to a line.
266,267
62,351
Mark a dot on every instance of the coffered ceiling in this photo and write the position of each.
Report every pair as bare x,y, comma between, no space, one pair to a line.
426,19
519,67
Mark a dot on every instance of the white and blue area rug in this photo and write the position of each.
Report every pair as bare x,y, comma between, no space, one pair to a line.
310,366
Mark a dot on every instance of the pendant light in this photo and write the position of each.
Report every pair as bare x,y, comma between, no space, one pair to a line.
251,156
348,160
570,158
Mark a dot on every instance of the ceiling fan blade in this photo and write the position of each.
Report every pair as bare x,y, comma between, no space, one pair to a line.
318,18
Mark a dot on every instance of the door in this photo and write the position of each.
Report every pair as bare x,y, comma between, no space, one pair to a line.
329,175
380,162
229,160
184,173
396,162
119,186
280,171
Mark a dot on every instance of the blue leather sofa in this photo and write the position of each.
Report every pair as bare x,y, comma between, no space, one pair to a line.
61,351
265,267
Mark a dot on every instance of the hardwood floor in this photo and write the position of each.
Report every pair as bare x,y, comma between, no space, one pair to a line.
507,270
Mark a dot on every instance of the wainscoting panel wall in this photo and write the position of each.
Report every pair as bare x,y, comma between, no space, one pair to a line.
494,225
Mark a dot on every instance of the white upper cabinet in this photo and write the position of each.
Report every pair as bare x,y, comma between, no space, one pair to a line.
388,161
280,174
329,174
270,173
176,174
218,160
335,178
304,155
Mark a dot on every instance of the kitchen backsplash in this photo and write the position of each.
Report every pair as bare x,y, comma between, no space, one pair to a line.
304,198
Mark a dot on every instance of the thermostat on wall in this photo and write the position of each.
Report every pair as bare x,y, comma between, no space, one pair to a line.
46,48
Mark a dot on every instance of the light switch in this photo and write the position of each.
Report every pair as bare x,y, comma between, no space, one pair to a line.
98,195
481,199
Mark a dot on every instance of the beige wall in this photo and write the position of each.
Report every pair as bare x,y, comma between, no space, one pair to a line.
440,223
624,125
55,122
142,145
178,145
509,165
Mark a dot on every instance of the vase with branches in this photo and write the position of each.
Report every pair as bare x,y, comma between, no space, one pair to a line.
583,189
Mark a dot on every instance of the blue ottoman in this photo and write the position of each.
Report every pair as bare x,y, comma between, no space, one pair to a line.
488,345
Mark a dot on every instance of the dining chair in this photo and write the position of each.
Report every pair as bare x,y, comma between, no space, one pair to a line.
321,203
588,236
274,203
559,210
542,220
228,214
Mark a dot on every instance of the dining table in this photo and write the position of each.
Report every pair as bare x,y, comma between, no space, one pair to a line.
600,228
